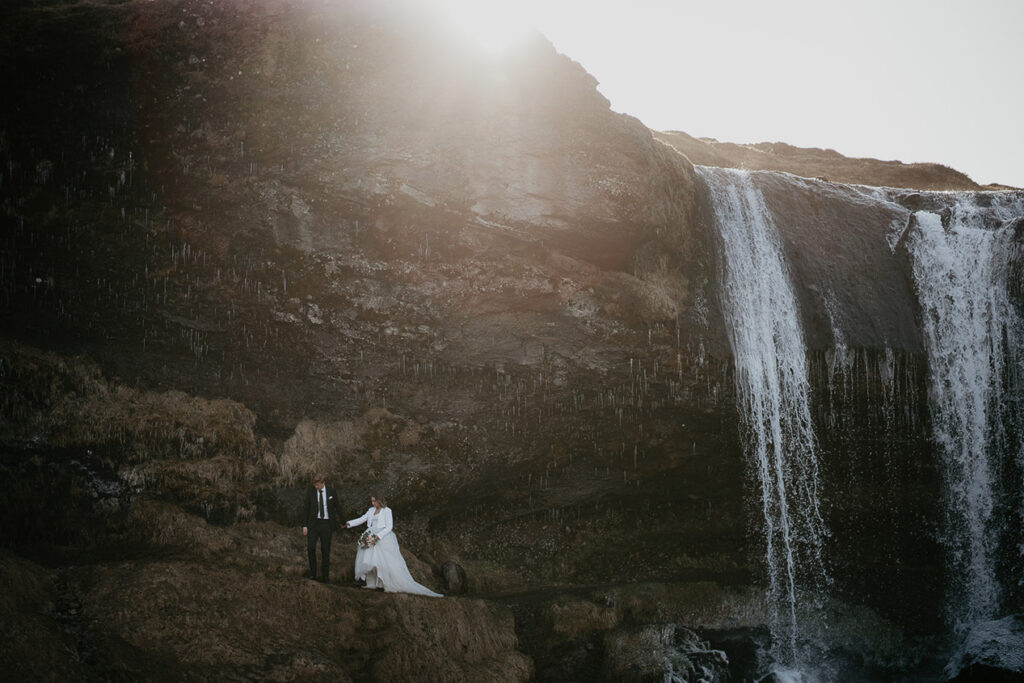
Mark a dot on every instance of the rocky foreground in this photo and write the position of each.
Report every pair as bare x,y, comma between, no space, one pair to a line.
190,602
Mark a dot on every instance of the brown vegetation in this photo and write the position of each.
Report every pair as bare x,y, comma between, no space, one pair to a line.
825,164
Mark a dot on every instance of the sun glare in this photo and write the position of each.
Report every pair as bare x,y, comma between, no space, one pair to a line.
493,26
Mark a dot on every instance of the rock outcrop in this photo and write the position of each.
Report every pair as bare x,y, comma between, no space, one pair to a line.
990,651
823,164
230,605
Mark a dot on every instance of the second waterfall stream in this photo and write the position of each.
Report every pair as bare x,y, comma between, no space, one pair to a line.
772,387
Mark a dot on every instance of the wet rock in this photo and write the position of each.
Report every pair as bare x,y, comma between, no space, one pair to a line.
662,652
1017,226
990,651
851,285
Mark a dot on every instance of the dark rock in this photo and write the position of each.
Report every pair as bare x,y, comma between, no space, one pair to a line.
990,651
1017,226
454,579
661,652
853,287
39,633
914,201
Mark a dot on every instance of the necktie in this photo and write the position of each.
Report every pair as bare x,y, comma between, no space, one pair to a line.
322,515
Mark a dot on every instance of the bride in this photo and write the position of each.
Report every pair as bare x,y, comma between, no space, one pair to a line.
381,564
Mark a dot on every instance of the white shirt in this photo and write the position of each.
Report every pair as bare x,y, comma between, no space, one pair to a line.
327,505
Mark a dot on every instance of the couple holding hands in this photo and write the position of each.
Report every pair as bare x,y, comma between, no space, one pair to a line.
379,563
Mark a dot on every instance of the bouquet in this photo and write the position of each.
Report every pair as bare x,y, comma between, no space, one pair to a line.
368,539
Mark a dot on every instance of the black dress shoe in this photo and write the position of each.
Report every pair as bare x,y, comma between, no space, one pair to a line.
311,577
379,589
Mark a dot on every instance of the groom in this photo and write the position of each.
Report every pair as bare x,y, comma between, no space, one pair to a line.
320,515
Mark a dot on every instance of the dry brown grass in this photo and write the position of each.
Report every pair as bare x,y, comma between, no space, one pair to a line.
318,447
337,447
233,602
69,403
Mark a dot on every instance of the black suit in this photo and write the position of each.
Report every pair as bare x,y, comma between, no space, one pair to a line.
320,529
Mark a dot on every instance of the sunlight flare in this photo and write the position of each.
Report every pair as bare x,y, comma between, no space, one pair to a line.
493,26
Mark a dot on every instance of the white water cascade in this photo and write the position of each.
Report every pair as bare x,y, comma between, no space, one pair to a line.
973,337
772,387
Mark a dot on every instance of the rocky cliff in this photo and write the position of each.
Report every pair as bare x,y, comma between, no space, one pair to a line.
823,164
248,241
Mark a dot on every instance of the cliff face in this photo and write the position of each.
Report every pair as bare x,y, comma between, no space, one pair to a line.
309,116
248,241
266,181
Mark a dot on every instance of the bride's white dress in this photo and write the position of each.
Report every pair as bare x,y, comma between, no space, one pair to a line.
382,564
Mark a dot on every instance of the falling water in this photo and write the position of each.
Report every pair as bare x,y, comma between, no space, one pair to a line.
772,387
973,338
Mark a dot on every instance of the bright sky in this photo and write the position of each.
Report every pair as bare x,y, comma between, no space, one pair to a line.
913,80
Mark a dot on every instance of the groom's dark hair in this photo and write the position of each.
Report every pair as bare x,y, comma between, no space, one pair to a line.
319,478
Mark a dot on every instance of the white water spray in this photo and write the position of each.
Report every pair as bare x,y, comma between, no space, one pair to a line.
772,385
973,338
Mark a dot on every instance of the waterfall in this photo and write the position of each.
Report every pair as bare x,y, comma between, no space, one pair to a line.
772,388
973,334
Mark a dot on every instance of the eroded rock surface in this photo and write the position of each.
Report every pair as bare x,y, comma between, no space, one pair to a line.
244,242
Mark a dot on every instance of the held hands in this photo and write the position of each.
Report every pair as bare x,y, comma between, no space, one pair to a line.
305,531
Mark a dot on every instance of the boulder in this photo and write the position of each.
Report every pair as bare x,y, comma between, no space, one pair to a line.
454,578
990,651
